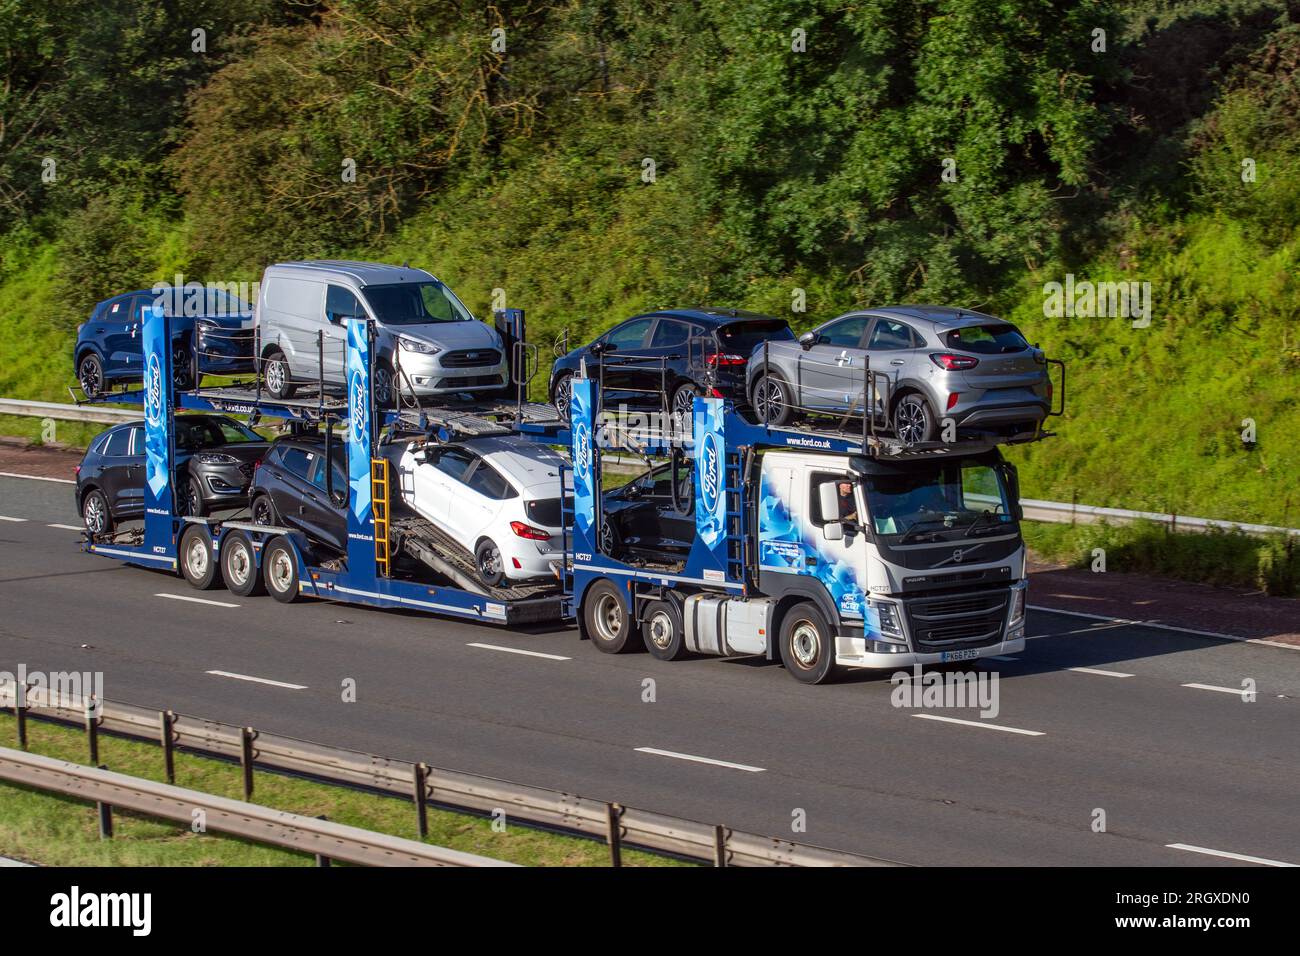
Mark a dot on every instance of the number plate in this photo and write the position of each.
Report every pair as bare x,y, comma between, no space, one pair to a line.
959,655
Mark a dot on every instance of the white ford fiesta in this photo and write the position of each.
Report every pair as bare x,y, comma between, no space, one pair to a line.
500,497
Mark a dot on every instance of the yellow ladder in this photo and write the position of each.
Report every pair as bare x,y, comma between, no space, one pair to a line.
379,507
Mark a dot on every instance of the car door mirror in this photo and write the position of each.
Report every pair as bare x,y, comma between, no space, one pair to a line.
339,498
808,340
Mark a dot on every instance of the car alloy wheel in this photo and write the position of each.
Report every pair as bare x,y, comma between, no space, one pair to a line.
383,386
262,511
769,399
277,375
563,395
911,423
90,377
95,513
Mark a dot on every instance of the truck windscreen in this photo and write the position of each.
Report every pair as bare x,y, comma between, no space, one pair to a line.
955,499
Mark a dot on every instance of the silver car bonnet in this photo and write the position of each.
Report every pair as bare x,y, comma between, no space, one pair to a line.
449,335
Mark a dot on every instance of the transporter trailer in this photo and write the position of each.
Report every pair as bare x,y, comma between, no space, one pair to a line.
824,548
392,560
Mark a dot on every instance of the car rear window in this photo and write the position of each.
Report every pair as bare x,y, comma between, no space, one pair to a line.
744,337
545,512
987,339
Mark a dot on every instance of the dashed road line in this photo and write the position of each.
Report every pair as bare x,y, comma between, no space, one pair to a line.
1099,672
981,724
7,518
257,680
194,600
66,527
694,759
517,650
1262,861
14,474
1237,691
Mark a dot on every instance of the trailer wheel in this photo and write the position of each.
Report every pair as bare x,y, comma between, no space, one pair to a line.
280,571
662,631
608,621
195,558
807,645
239,565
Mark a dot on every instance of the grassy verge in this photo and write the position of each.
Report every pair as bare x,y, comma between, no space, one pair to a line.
1271,564
57,831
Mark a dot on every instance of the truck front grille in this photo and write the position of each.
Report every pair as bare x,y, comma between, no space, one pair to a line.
947,621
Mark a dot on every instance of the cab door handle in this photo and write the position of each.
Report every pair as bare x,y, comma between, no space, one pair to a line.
897,362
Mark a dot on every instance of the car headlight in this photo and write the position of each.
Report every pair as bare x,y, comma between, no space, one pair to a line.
891,627
216,458
415,345
1017,606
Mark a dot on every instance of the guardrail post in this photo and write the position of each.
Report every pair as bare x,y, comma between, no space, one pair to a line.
720,834
168,740
20,715
92,730
246,737
105,811
420,772
614,833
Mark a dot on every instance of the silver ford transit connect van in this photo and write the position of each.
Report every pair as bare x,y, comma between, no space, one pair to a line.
423,333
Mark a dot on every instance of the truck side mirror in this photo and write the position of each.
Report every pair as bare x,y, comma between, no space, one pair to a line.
829,501
420,457
833,531
808,340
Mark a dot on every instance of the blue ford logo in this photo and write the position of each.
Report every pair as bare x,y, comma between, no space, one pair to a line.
358,409
582,450
710,472
153,395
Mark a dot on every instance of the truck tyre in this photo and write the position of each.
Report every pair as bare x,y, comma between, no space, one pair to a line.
913,420
239,565
280,570
195,558
807,644
772,399
662,631
607,619
275,370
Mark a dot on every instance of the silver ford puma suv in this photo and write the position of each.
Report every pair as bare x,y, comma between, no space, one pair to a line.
929,363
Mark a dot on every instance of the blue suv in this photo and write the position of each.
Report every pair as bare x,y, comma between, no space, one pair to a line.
109,348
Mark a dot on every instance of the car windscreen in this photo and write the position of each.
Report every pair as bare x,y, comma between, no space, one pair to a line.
931,502
415,303
196,433
987,339
743,337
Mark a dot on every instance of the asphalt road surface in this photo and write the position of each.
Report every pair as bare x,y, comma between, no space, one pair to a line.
1146,726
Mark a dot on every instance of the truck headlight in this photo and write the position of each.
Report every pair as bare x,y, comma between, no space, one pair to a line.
415,345
1017,606
891,626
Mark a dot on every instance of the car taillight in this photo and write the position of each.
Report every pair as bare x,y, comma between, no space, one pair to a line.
952,399
77,470
257,463
716,394
953,363
529,532
718,358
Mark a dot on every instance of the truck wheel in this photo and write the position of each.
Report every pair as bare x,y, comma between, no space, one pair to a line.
662,631
605,613
195,558
807,644
275,369
239,565
280,571
772,400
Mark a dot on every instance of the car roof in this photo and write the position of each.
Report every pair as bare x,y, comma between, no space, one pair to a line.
527,462
363,273
940,316
711,317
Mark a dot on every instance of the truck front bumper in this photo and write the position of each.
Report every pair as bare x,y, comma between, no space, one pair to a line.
858,652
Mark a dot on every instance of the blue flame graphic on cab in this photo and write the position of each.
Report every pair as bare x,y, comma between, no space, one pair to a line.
156,379
358,378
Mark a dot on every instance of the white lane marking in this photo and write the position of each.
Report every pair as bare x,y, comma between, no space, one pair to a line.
1080,630
66,527
1222,690
516,650
186,597
7,518
1228,856
1160,627
691,757
1099,672
1003,658
980,723
14,474
257,680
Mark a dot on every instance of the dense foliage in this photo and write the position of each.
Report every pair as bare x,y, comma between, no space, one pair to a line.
595,157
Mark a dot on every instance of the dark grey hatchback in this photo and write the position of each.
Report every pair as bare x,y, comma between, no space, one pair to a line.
215,460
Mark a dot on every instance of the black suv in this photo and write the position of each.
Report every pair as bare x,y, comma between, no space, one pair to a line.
679,353
215,460
290,489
